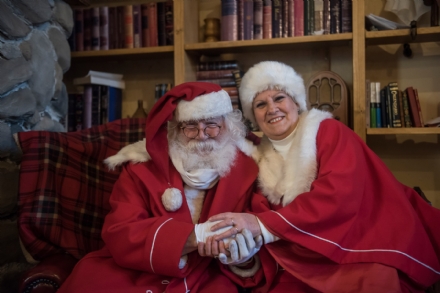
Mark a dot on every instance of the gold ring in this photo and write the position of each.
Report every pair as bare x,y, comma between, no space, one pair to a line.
232,222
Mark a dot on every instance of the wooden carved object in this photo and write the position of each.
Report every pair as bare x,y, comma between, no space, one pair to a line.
328,92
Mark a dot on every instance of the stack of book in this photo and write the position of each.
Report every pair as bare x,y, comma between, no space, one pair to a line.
129,26
224,73
161,89
266,19
98,100
391,107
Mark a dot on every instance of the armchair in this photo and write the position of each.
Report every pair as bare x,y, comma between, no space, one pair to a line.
63,196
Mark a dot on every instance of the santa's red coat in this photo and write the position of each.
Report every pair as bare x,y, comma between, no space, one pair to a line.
144,241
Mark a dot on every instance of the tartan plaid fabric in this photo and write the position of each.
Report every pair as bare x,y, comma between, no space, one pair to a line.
65,186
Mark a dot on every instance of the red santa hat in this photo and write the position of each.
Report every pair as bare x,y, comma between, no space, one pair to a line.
187,101
270,75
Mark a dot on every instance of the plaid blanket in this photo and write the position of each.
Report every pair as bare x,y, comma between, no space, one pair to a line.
65,187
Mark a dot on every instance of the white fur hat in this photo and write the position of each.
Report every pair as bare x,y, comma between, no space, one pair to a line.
213,104
270,75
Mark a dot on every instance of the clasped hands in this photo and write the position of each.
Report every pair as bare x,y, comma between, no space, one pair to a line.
230,237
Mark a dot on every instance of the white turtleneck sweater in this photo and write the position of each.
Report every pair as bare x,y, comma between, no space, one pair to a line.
282,146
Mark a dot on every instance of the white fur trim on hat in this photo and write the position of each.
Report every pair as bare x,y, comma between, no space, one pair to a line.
172,199
209,105
270,75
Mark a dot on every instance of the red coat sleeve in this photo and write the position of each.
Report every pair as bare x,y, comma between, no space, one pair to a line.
137,235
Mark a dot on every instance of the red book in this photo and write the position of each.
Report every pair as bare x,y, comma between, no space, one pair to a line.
419,108
248,19
87,26
214,74
232,90
258,19
229,20
103,28
299,17
95,29
144,22
128,26
79,29
413,108
152,24
137,26
267,19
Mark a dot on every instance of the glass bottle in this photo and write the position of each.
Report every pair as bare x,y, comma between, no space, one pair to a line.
140,111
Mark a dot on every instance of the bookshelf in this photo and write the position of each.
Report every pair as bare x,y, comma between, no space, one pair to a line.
356,56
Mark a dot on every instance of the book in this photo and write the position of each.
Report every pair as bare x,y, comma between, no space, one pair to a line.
103,28
223,82
394,91
87,28
217,65
383,108
258,19
96,105
267,19
389,106
111,103
169,23
120,27
414,111
229,20
335,20
152,24
240,20
276,18
346,16
319,18
161,36
112,33
367,103
379,123
144,22
290,18
326,17
87,107
419,108
231,90
101,78
406,110
299,17
309,17
248,8
95,29
128,27
373,118
137,26
79,29
285,18
214,74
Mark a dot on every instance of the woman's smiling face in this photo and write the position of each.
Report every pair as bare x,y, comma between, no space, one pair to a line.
276,113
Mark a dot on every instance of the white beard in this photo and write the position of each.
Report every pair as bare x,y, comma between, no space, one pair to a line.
216,154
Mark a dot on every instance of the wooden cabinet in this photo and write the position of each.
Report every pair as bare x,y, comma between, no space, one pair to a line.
356,56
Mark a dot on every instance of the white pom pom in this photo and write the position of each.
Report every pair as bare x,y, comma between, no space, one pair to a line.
172,199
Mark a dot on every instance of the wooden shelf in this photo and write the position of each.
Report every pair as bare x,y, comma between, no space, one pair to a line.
401,36
124,53
266,45
397,131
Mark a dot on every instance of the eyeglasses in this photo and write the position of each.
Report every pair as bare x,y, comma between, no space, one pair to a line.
211,130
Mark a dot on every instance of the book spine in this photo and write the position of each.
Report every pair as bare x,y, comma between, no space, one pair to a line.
161,24
232,91
87,26
299,17
96,105
169,23
419,108
346,16
248,19
267,19
335,17
276,18
152,24
309,17
240,19
229,19
373,117
95,29
120,28
285,18
213,74
367,103
114,103
319,18
326,17
87,107
217,65
71,121
137,26
258,19
383,109
79,29
112,23
223,82
79,111
290,18
394,91
128,26
103,97
414,112
405,103
103,28
144,21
